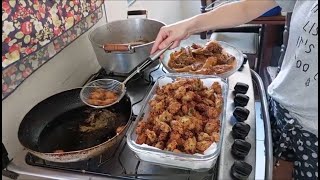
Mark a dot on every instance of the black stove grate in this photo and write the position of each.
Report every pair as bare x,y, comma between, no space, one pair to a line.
99,166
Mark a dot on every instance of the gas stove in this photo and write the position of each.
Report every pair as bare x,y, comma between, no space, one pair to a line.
123,164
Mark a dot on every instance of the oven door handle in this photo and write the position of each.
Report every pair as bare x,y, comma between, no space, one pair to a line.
266,122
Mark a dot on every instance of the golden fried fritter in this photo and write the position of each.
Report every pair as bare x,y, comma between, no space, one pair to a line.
177,126
172,145
190,145
212,126
166,116
174,107
141,127
203,145
216,136
212,112
163,136
163,127
141,139
216,87
151,135
160,145
202,136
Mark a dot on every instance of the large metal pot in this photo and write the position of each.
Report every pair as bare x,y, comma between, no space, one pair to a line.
122,45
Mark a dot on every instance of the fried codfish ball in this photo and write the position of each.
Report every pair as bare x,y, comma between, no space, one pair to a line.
201,107
151,135
141,127
160,145
219,102
141,139
203,145
159,91
189,96
212,126
187,123
163,136
163,127
190,145
166,116
175,136
212,112
188,134
96,95
157,106
216,136
177,126
202,136
208,102
198,125
172,145
216,87
174,107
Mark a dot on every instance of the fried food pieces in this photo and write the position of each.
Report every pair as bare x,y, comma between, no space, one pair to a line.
208,60
101,97
183,117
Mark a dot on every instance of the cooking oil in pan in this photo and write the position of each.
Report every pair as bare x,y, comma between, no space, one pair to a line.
65,132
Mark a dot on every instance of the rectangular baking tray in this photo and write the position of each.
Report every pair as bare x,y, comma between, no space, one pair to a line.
168,158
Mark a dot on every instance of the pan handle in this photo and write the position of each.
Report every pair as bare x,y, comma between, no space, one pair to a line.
137,13
129,47
147,62
117,47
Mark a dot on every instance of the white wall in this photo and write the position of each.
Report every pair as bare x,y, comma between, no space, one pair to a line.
167,11
69,69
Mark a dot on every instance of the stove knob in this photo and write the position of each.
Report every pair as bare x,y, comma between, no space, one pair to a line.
240,148
241,100
241,88
240,130
245,59
241,113
240,170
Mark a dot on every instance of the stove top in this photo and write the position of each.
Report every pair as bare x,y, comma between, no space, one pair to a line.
122,163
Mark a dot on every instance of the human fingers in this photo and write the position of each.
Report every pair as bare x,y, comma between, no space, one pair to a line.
175,44
166,42
159,39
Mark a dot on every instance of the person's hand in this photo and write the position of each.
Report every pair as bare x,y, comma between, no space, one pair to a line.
171,33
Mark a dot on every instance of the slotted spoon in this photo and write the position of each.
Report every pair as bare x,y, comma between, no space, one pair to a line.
115,86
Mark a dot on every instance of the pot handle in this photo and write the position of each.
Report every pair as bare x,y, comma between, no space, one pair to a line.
137,13
117,47
122,47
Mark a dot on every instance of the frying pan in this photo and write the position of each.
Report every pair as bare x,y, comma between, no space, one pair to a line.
53,124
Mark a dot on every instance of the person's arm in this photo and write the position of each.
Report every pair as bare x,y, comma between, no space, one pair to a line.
224,16
229,15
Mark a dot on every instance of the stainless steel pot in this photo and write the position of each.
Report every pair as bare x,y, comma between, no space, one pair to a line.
122,45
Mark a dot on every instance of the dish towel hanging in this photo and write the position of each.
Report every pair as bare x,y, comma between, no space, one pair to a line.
33,32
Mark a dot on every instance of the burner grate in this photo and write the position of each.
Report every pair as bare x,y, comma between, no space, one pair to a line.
137,170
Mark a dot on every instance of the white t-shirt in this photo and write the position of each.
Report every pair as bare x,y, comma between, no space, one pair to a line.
296,85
